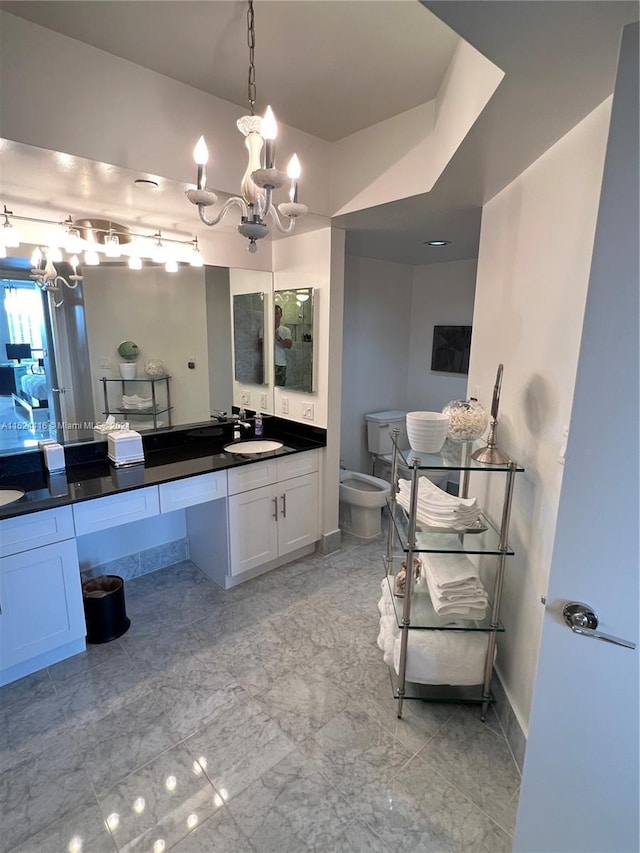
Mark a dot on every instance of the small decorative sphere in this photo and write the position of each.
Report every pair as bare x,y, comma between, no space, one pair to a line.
154,367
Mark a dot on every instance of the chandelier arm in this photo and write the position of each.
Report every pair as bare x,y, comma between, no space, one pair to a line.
225,209
64,281
283,229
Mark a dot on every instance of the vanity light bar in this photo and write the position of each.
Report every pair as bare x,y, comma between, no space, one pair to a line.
112,247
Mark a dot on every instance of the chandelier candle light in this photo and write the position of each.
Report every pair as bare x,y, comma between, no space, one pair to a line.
261,177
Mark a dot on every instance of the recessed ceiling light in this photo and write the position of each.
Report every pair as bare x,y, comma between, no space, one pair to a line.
437,244
146,183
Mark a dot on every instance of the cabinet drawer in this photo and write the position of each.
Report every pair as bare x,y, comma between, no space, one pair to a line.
296,466
252,476
30,531
114,510
194,490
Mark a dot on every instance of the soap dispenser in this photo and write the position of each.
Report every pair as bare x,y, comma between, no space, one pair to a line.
258,427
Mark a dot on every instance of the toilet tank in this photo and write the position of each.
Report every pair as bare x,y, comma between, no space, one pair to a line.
379,426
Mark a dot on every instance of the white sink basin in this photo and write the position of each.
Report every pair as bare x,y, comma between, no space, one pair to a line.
8,496
256,445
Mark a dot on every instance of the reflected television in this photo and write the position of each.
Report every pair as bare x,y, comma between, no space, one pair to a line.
18,352
451,349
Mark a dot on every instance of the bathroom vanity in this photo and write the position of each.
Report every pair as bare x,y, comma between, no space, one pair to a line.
244,515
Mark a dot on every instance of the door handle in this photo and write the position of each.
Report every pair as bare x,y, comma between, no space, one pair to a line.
583,620
58,390
284,505
275,508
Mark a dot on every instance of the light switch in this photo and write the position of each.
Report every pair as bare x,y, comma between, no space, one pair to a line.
307,411
284,403
263,401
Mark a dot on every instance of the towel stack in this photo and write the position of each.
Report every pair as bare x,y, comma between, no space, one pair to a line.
437,508
454,586
134,402
433,657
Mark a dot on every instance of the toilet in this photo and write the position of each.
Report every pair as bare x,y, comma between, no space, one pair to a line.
380,445
361,500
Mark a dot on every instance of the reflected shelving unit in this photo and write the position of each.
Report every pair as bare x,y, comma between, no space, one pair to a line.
414,611
156,387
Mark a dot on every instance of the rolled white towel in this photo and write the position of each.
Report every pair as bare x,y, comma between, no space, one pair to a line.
444,657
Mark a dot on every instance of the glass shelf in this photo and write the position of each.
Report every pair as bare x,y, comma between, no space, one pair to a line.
439,692
423,616
487,542
454,456
139,412
151,379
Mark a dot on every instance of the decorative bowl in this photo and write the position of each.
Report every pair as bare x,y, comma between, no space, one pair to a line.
467,419
427,431
154,367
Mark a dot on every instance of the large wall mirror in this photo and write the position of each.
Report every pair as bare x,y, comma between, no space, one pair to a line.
182,319
294,338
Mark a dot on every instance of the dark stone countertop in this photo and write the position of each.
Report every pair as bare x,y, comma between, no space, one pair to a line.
170,455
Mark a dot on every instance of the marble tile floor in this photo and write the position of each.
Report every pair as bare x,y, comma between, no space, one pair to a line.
252,720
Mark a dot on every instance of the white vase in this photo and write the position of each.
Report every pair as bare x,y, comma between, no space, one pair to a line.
127,369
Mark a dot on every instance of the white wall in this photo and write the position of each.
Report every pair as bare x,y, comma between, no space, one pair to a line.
377,324
166,317
533,268
389,313
442,295
316,259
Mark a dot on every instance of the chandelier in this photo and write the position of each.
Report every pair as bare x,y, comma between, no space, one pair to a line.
261,177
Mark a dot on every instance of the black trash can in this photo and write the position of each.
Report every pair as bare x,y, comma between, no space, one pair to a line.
104,608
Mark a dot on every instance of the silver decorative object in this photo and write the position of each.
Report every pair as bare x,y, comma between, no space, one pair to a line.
491,454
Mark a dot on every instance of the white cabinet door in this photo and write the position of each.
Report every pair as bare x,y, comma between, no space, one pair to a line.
253,531
23,532
298,513
41,600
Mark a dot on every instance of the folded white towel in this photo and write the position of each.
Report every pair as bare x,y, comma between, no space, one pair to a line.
450,571
443,657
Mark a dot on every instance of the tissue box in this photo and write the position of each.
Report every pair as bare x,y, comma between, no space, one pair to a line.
125,447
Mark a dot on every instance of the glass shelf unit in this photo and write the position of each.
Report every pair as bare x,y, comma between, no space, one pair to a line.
158,389
424,617
438,692
414,611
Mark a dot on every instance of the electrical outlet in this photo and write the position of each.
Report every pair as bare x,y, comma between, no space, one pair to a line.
263,401
105,362
307,411
284,402
245,398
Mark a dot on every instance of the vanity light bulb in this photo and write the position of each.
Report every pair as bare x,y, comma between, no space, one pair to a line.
9,236
3,251
91,258
158,253
171,265
112,246
73,241
54,254
196,259
74,262
135,263
269,126
36,258
201,152
294,169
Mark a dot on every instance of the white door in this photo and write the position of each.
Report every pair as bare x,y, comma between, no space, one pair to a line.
298,518
580,783
253,528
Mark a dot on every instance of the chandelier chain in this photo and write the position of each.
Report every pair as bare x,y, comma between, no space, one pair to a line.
251,41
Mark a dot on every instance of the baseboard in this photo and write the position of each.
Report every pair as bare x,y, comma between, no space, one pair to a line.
516,738
329,542
141,563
